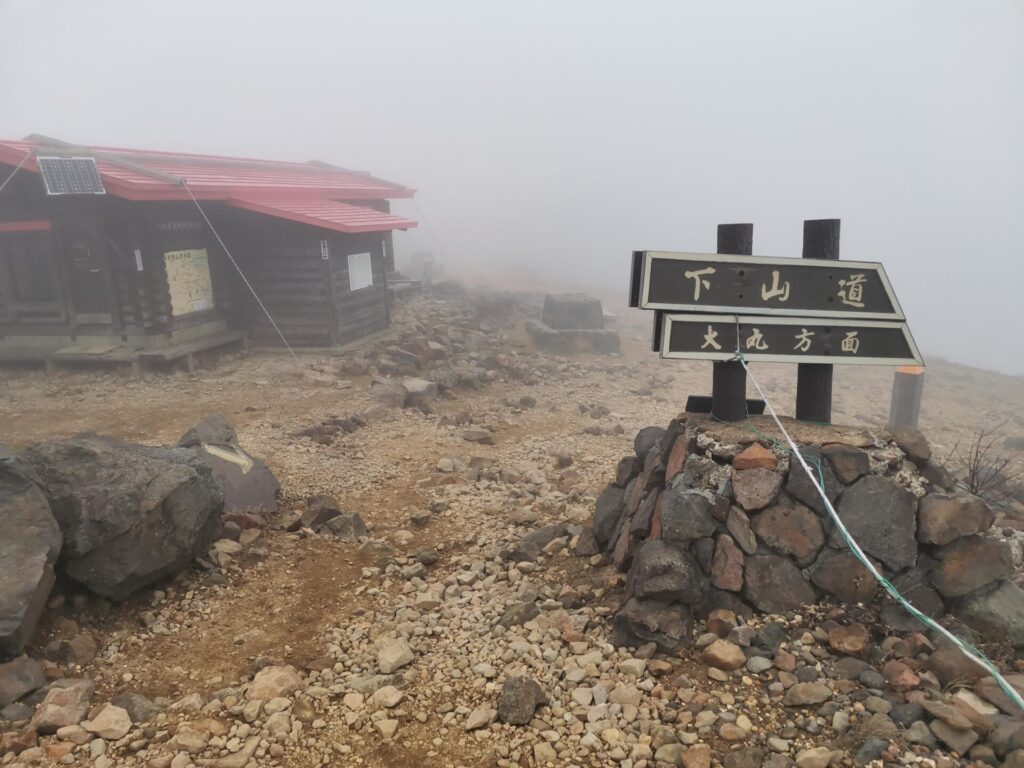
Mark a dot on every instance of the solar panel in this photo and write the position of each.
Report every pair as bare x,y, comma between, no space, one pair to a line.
70,176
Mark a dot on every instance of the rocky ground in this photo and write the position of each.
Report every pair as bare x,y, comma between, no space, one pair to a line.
424,644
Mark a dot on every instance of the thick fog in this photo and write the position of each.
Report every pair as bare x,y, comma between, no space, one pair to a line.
551,139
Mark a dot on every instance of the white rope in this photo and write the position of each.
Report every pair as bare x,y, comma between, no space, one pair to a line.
18,168
977,657
242,274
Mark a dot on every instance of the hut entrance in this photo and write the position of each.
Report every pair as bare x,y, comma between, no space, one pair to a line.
90,286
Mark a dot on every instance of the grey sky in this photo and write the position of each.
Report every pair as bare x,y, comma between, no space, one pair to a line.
560,136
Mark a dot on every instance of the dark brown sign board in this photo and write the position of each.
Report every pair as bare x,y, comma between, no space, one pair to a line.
703,282
788,339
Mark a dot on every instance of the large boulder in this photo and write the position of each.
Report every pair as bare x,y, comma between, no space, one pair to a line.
664,571
790,529
129,514
19,676
942,517
686,514
969,564
646,439
882,517
29,544
608,511
774,585
842,575
248,482
571,311
998,612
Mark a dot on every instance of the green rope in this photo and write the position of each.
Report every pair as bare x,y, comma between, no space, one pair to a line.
791,448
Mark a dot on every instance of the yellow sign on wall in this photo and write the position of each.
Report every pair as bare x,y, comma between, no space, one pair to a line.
188,279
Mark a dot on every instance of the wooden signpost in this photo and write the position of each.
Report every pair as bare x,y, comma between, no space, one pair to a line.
815,311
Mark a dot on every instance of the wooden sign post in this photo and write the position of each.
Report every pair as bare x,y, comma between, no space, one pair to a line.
814,380
815,311
729,378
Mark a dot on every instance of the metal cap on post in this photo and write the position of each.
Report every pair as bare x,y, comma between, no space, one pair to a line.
729,379
814,380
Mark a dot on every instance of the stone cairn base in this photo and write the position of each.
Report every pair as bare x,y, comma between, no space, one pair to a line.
699,525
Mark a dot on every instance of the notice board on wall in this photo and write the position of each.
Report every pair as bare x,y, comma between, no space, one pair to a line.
188,280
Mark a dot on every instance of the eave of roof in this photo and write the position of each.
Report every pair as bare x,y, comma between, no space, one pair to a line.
144,175
327,214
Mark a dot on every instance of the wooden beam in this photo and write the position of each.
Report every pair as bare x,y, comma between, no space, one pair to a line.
814,380
729,378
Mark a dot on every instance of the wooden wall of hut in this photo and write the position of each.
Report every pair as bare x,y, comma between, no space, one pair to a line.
308,296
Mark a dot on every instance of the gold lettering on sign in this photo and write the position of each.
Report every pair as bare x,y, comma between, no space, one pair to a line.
775,291
803,340
851,290
709,339
697,275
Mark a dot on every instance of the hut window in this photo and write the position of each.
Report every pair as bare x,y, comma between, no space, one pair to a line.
32,273
360,271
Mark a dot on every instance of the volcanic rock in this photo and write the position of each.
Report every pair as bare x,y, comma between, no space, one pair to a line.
790,529
274,682
738,524
611,506
19,676
519,697
347,526
29,547
942,518
686,514
755,456
722,654
999,611
847,462
665,571
646,439
881,517
969,564
64,704
393,654
774,585
727,565
668,625
841,574
756,488
129,514
110,723
799,485
805,694
248,482
912,443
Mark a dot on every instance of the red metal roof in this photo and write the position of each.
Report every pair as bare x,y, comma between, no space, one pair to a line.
328,214
147,175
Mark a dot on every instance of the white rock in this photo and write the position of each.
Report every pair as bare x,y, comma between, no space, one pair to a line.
480,718
387,697
393,654
386,728
111,723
